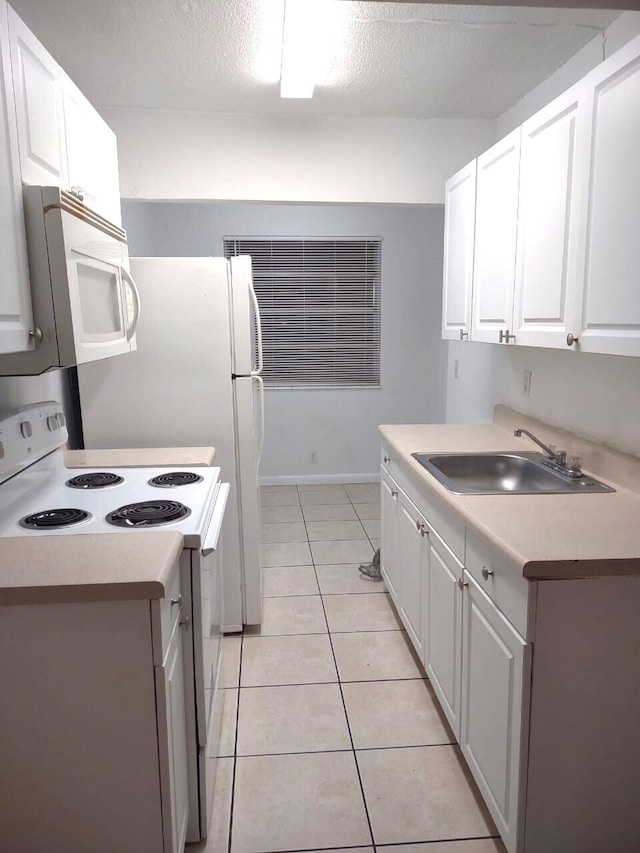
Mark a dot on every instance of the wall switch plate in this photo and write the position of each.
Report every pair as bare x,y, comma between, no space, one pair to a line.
313,457
526,383
456,371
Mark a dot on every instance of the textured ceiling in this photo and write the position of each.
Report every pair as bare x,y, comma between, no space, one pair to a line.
384,59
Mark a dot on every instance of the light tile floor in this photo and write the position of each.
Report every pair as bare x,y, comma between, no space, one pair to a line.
332,738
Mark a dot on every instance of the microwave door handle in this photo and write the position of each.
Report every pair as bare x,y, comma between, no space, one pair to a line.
130,283
256,308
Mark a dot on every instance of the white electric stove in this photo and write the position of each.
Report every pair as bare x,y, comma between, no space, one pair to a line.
39,496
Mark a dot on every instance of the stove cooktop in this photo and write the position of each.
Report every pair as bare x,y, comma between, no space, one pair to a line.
49,499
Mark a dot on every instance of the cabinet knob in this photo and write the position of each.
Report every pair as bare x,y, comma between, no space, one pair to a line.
571,340
177,600
462,584
185,622
394,493
463,334
387,459
424,530
486,573
37,335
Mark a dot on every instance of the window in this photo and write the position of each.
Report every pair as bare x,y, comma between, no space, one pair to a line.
320,306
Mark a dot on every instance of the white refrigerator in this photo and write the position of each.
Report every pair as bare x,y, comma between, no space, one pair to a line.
194,380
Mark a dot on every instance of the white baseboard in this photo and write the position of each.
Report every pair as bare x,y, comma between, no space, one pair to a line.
319,479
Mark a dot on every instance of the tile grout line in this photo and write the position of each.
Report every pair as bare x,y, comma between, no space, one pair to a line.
235,747
346,716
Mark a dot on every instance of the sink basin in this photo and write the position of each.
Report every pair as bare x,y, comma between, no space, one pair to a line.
503,474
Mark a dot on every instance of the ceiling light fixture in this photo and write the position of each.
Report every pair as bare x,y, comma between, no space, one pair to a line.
304,42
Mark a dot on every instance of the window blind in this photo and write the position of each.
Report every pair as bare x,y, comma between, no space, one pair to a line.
319,302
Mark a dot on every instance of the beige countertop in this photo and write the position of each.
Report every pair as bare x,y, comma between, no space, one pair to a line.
543,536
83,567
141,457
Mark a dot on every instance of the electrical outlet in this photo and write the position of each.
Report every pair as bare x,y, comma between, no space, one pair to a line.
313,457
526,383
456,371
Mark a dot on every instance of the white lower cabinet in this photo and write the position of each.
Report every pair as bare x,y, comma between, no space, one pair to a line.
95,750
388,525
477,662
413,556
172,737
495,669
442,606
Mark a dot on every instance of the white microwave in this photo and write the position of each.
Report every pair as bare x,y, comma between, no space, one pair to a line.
85,304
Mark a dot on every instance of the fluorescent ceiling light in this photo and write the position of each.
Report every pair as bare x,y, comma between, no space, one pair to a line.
305,45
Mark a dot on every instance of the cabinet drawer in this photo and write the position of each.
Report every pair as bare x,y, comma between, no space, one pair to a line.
164,614
510,592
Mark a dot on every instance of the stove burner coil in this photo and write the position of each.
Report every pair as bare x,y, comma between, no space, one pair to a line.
148,514
51,519
95,480
175,478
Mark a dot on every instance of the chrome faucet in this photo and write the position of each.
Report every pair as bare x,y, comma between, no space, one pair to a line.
551,452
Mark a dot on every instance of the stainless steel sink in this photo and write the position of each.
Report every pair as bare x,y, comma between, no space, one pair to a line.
503,474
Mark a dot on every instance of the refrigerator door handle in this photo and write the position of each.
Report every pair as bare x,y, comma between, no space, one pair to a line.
256,308
260,382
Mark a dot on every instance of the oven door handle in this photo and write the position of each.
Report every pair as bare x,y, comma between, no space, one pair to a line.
215,525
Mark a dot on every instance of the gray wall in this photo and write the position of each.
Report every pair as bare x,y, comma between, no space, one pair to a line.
17,391
339,425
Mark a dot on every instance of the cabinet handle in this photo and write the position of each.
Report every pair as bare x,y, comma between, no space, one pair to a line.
387,459
571,340
423,530
462,584
177,600
463,334
185,622
486,573
505,336
394,493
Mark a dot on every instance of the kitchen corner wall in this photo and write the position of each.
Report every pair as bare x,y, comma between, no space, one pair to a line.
339,425
17,391
596,396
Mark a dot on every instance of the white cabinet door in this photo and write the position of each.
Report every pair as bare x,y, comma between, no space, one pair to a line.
92,154
413,553
172,741
388,544
459,230
495,241
15,294
38,93
550,199
495,670
442,621
608,314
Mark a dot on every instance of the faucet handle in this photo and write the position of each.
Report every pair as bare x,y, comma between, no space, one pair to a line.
574,463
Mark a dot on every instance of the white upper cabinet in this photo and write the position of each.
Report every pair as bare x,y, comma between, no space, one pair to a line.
15,296
459,230
92,154
551,163
63,140
607,314
495,243
39,110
